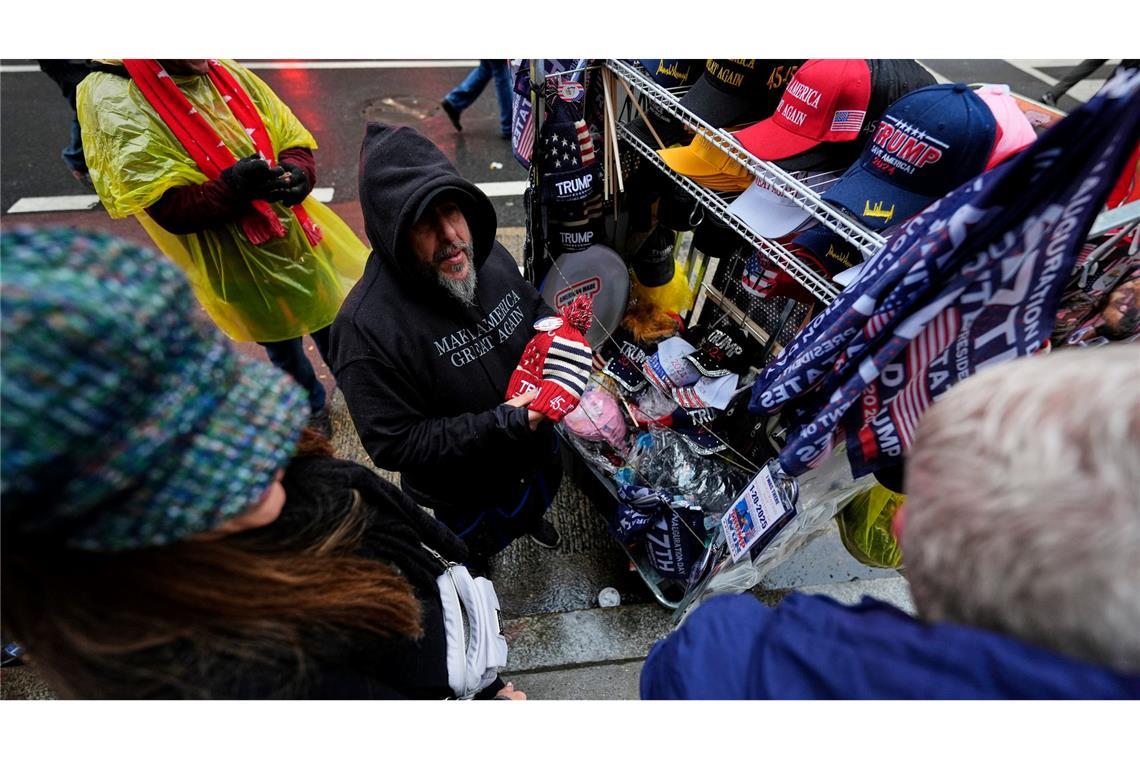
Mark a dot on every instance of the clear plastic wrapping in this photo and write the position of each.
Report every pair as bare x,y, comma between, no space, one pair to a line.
665,460
822,492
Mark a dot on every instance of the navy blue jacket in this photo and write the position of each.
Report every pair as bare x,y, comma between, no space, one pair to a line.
811,647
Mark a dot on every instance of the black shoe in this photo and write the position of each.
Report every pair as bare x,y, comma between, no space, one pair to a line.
546,535
452,113
1049,100
320,422
505,135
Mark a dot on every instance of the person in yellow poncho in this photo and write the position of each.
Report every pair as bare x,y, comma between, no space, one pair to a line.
218,171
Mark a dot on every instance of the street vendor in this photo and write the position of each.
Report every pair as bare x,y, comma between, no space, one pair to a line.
219,172
426,344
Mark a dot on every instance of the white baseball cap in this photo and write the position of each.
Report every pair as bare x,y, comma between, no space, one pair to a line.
769,212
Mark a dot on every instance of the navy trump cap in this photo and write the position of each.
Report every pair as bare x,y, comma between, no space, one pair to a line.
928,142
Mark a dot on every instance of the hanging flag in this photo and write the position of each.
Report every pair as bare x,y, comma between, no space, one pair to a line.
971,281
522,116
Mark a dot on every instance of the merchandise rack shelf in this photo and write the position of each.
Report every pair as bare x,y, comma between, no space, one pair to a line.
819,287
866,241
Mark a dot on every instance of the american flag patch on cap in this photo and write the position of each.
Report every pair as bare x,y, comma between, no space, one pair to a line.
848,121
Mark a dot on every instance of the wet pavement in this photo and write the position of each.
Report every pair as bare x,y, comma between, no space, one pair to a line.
333,104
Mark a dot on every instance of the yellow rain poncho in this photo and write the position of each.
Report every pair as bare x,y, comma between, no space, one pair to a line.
282,289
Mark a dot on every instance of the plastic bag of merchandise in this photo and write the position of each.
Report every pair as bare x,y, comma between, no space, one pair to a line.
652,407
818,496
599,455
663,459
597,417
865,527
670,529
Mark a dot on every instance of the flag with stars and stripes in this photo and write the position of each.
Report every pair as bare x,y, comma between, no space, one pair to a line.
847,121
971,281
585,143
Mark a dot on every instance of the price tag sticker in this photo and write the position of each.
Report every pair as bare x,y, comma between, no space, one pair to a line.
759,513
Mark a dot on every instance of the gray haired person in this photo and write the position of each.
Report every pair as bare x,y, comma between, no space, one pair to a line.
1023,506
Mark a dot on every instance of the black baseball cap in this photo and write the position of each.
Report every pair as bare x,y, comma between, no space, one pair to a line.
677,210
574,236
461,197
725,349
716,239
736,90
653,263
669,73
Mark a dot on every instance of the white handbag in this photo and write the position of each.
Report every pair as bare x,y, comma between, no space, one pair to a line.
476,647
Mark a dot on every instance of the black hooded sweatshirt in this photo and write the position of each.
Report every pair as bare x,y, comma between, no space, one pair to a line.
425,376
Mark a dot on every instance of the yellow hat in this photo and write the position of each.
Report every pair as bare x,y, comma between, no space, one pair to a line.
703,162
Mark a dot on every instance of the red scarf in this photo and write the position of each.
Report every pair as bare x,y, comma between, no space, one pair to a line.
206,148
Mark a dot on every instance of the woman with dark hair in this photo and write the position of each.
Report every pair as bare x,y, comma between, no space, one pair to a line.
160,537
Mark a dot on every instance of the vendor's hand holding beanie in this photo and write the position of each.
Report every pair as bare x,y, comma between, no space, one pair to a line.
557,361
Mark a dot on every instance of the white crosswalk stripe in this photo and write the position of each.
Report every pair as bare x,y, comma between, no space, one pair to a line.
24,68
45,204
1081,91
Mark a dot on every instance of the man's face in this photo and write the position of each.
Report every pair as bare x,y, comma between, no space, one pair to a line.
442,241
186,66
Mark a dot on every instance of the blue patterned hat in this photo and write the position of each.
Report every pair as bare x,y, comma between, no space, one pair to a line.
127,422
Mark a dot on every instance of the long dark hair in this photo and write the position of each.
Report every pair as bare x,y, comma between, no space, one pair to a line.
92,622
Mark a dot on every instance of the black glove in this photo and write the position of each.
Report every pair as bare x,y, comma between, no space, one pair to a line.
252,177
292,187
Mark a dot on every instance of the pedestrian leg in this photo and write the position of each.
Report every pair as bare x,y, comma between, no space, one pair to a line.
73,155
504,90
1072,76
289,356
471,87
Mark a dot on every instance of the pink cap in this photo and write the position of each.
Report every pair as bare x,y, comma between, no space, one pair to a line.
1014,132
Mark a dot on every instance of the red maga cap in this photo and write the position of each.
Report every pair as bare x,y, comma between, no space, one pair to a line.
826,101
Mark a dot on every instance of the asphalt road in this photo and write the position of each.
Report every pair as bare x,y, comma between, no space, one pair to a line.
336,103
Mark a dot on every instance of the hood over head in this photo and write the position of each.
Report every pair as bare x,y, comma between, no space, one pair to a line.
400,171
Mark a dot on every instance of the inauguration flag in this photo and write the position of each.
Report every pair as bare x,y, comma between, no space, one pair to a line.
971,281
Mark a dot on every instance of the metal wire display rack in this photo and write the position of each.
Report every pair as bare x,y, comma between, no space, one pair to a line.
866,241
819,287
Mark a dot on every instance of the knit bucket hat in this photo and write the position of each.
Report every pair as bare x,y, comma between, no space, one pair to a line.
127,422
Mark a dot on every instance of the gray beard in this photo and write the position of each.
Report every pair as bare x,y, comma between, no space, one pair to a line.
461,290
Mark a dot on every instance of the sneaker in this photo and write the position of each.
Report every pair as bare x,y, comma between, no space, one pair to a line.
1049,100
452,113
546,535
320,422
